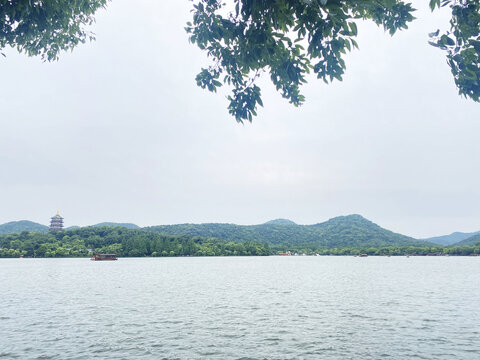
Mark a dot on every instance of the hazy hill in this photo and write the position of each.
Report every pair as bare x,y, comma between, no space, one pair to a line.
30,226
280,222
450,239
114,224
22,225
472,240
347,231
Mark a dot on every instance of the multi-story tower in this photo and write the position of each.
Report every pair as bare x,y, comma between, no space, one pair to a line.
56,223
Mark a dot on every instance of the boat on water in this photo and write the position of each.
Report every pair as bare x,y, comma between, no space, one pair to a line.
104,257
362,255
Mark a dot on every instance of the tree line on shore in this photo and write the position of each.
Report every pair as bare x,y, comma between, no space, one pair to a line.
380,251
83,242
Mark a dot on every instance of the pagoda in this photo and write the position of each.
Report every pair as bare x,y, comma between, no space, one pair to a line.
56,223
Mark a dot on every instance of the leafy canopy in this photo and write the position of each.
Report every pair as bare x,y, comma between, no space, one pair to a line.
290,38
45,27
285,38
462,44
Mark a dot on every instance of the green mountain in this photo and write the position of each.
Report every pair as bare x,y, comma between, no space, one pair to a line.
472,240
22,225
342,231
451,239
338,232
355,230
343,235
114,224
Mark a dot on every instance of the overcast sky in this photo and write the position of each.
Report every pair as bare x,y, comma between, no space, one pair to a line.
117,130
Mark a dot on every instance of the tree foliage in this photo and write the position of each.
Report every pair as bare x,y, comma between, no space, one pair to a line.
45,28
84,242
290,38
287,39
462,44
310,249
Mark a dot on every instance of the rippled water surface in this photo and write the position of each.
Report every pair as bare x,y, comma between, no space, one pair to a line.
250,307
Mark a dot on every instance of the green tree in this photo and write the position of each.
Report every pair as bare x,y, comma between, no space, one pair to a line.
45,28
290,38
245,38
462,44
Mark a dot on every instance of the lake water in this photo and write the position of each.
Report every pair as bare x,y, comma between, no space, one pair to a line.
241,307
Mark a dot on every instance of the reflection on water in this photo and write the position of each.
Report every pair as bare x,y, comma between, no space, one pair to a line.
252,308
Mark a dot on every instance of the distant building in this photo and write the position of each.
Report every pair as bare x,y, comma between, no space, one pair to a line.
56,223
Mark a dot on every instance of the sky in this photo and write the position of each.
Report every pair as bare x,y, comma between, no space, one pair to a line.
117,130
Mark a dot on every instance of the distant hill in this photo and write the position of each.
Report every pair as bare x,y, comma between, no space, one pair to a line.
22,225
472,240
355,230
342,231
114,224
450,239
25,225
280,222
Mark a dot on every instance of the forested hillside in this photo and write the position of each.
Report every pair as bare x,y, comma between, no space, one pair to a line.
451,239
83,242
343,235
473,240
343,231
22,225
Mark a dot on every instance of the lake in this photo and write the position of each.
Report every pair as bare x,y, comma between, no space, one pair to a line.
241,308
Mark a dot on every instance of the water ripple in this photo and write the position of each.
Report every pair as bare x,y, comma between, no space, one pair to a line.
241,308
